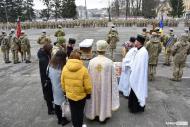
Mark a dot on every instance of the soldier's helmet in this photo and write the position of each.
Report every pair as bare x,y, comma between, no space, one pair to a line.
157,29
3,32
144,29
186,30
59,26
12,30
171,30
43,31
22,32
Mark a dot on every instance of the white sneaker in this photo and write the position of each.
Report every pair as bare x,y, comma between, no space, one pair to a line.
84,125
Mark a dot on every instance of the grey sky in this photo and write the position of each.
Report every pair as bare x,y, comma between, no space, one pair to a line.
90,3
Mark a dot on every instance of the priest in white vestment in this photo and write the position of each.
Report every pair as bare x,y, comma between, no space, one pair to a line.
105,93
126,71
138,79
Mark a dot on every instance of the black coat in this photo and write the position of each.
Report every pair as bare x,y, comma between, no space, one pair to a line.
43,63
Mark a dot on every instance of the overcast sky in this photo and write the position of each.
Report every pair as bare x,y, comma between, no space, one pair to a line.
90,3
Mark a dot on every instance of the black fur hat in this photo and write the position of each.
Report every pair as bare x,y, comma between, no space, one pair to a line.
72,41
132,39
141,39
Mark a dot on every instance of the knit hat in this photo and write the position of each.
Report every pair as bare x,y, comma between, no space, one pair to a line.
101,45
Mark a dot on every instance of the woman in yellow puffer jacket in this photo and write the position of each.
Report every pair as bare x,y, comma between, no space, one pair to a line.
77,85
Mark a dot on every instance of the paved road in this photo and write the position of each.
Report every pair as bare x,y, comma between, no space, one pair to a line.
21,103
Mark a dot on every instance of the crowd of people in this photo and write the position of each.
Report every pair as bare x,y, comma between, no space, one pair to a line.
89,23
93,91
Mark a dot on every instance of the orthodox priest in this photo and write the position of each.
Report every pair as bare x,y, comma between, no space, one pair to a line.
138,78
105,93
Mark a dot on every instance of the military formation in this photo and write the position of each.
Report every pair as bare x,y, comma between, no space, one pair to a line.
174,47
15,45
89,23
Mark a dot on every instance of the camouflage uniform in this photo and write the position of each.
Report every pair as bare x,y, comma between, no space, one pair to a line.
112,40
180,51
59,32
169,41
43,39
15,46
60,45
5,47
2,36
154,48
25,48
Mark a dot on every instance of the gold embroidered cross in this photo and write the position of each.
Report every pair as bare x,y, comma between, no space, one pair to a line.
99,68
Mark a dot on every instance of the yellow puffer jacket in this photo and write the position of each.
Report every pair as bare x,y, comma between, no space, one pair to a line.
75,80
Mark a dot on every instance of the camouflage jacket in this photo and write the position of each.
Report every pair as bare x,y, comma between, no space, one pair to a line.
154,49
59,33
25,43
14,42
5,44
180,51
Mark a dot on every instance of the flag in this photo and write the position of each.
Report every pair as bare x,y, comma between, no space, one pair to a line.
18,29
161,25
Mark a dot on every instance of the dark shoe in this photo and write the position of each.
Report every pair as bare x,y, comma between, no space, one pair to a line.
105,121
28,61
64,121
166,64
51,112
174,79
7,61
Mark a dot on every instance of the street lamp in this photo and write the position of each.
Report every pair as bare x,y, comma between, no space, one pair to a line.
109,10
86,12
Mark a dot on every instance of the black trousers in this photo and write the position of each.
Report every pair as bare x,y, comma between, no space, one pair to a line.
77,111
133,104
58,112
50,106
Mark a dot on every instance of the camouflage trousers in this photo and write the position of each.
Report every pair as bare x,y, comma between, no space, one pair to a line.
15,56
26,55
178,71
167,58
151,72
6,55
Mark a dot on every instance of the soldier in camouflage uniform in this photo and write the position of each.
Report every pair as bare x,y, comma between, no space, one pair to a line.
5,47
60,45
15,46
154,48
43,39
112,40
3,34
145,34
25,47
188,34
180,51
169,41
59,32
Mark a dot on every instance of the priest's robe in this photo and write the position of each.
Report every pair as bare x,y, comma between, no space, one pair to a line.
105,93
138,81
126,71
